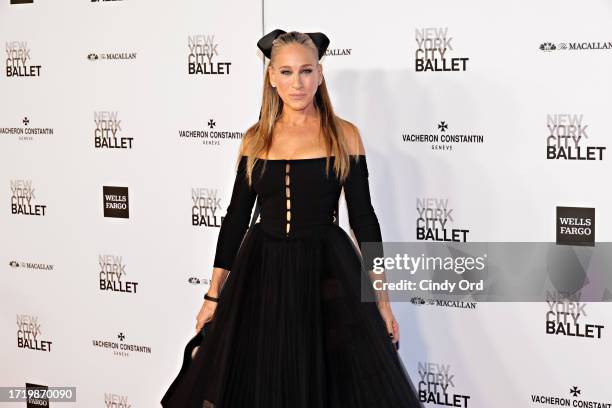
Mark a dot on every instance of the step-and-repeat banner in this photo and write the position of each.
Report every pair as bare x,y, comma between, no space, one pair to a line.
119,130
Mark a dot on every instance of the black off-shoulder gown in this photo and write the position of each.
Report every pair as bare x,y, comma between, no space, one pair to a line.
290,329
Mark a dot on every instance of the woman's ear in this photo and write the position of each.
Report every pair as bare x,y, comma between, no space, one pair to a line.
272,77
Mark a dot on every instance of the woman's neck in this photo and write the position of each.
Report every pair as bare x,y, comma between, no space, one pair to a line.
298,118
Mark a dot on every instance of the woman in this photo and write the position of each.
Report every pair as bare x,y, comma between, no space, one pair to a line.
289,328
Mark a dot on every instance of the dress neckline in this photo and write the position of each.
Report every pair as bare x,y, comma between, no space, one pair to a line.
305,159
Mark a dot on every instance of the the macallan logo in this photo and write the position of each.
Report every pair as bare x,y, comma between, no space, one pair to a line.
548,46
203,55
29,334
18,60
432,53
437,386
419,301
108,133
116,203
576,226
335,52
113,56
194,280
31,265
576,46
435,221
206,207
568,138
113,275
23,199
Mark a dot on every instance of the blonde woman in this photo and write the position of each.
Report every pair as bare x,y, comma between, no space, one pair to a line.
287,327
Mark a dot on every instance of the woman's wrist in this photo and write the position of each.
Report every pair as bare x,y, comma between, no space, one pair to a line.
208,296
212,292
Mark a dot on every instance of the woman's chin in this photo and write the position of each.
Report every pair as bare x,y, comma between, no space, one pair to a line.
297,105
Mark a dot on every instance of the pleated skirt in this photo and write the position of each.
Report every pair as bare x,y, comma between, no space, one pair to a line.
290,331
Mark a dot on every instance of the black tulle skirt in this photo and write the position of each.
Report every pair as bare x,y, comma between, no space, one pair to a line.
290,331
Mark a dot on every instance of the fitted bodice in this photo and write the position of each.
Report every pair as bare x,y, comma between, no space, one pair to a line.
296,196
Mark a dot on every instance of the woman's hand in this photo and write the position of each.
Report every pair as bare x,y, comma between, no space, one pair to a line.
206,313
387,315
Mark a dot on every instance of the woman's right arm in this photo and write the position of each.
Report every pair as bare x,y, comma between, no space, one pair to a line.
236,220
233,227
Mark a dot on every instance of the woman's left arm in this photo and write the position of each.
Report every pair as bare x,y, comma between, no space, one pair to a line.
365,224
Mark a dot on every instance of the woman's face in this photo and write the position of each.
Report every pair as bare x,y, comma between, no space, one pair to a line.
296,72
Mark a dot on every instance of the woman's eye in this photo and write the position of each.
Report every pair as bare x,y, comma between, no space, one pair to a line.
307,70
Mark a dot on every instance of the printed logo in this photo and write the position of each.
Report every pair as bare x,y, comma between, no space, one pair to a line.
573,397
23,199
113,56
121,347
337,52
116,204
37,395
567,139
576,226
419,301
112,400
29,334
26,132
435,221
576,46
31,265
203,56
205,203
210,135
432,53
566,315
108,133
113,275
445,139
18,60
437,386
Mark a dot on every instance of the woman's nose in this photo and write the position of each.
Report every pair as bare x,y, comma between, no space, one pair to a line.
297,81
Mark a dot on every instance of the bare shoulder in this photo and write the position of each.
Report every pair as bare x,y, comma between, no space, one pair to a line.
352,137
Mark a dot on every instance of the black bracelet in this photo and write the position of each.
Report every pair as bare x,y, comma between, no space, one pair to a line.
208,297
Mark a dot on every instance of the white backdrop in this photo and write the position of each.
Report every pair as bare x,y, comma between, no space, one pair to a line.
69,64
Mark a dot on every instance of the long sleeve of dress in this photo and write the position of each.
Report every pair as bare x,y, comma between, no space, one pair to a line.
361,214
236,220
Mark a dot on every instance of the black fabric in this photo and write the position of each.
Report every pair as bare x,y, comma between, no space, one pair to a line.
320,40
236,219
290,329
362,217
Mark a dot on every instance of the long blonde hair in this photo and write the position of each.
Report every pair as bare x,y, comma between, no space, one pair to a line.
258,138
